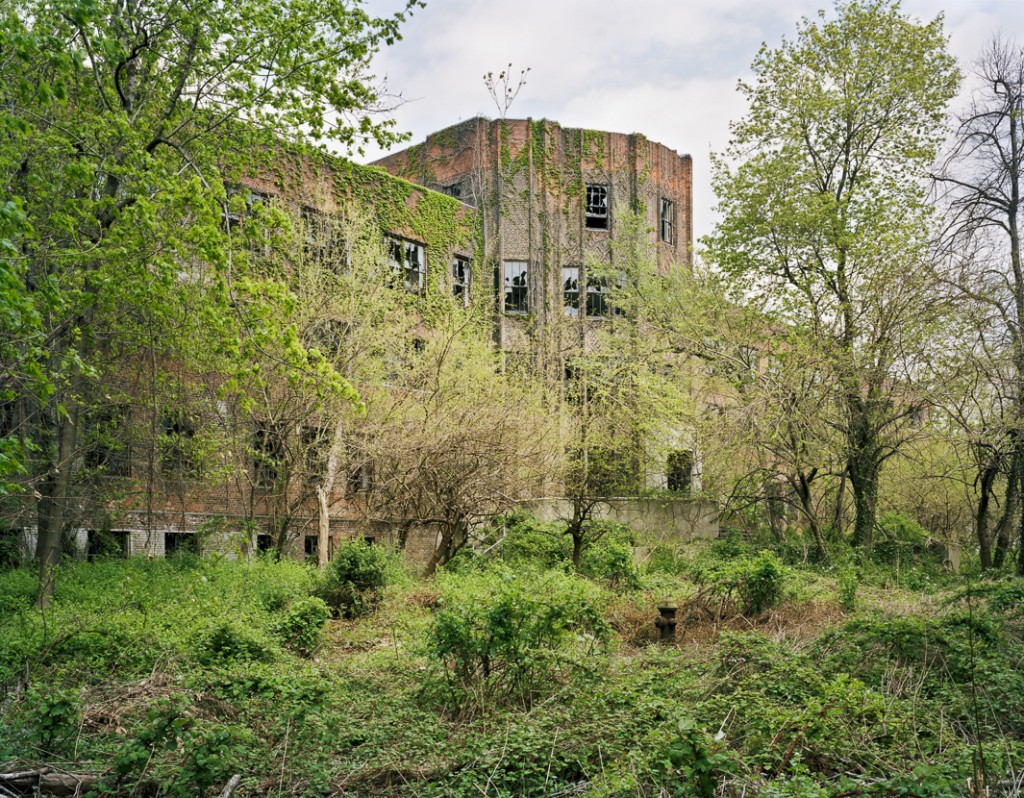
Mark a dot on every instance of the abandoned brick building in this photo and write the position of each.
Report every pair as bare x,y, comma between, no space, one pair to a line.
550,200
551,203
524,207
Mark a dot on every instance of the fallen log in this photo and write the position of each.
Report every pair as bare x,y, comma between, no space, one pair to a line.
47,781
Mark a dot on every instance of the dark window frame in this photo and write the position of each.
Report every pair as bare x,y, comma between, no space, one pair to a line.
571,290
667,214
596,208
516,296
267,456
462,278
408,263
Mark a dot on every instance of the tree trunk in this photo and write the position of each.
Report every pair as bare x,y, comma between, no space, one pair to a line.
323,493
864,482
52,507
987,478
577,549
1004,529
453,538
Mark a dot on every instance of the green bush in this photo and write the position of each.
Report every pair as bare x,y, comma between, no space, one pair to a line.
610,557
846,588
55,715
507,638
687,761
185,755
230,641
356,577
756,583
532,543
301,626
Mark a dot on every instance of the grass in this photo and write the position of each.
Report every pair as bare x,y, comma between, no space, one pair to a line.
166,678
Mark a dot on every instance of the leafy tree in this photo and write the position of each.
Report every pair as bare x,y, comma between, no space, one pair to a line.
129,119
824,223
452,440
981,182
627,400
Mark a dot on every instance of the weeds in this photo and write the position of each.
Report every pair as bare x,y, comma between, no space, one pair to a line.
509,676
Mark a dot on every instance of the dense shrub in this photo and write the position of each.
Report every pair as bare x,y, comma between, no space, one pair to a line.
228,640
301,626
610,557
183,754
506,637
755,583
532,543
356,577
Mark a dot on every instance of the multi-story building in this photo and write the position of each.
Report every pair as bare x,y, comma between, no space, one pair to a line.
552,203
551,200
509,215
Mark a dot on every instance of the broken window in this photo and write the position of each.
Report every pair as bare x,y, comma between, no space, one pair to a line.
606,472
409,263
267,456
575,386
571,290
311,546
106,543
598,303
264,542
178,543
453,190
597,297
597,207
461,276
180,454
516,287
679,470
667,221
323,241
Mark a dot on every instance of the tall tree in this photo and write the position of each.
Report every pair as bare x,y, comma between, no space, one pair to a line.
824,222
134,115
982,183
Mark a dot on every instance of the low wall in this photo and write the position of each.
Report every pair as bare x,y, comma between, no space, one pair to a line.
656,520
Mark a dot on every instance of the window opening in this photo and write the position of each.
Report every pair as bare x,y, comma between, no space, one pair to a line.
180,543
108,452
667,221
597,297
461,276
102,543
311,546
408,263
360,471
597,207
268,453
571,290
179,452
516,287
679,470
11,546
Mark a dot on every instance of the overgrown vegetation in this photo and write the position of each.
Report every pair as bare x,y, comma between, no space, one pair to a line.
510,674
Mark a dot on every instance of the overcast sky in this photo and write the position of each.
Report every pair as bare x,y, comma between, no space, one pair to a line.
665,69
